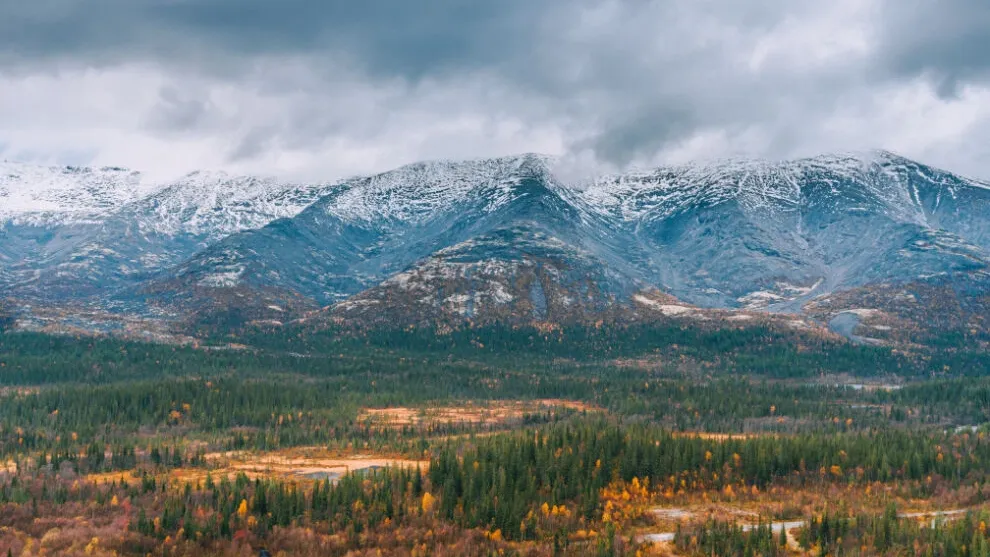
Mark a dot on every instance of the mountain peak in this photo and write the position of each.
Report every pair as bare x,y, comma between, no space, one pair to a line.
417,191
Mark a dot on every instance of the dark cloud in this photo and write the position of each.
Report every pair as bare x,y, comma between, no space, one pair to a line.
177,111
947,41
623,79
387,36
253,143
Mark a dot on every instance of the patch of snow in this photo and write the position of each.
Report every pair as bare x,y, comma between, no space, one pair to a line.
759,299
401,280
355,304
458,303
862,312
739,317
799,290
666,309
499,294
224,279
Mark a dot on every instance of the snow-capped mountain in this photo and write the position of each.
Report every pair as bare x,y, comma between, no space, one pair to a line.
501,239
201,203
215,205
378,226
757,233
874,182
79,232
45,196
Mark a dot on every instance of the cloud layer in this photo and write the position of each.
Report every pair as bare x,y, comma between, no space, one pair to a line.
320,89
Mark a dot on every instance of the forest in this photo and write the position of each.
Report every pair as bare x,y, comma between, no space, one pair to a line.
492,441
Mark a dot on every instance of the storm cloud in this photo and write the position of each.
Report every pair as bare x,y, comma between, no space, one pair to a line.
320,89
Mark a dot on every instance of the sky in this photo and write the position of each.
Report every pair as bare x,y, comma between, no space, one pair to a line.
320,89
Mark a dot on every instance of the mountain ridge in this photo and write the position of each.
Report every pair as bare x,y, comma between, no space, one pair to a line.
736,234
21,184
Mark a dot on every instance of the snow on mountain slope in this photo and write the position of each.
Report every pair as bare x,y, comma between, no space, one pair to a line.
215,205
751,234
37,195
200,203
773,234
219,204
727,234
370,228
76,232
880,179
419,191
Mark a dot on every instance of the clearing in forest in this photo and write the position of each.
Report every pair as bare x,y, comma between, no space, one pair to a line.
306,463
721,436
487,413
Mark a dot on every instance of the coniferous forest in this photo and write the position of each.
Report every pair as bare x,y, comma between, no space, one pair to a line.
493,441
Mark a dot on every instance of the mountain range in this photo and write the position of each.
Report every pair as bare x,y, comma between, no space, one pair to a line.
500,240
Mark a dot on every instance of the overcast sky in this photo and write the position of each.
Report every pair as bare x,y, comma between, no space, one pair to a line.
326,88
